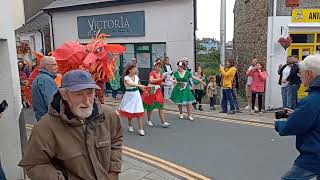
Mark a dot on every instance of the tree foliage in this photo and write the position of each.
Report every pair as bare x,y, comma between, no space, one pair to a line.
209,59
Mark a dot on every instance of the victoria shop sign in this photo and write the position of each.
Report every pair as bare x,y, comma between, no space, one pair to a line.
115,25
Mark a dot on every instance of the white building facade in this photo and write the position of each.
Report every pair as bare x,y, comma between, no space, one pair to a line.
148,29
10,149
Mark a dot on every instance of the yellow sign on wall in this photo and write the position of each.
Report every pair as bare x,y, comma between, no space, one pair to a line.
306,15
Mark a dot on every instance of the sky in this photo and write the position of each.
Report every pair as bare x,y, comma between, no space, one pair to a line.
209,19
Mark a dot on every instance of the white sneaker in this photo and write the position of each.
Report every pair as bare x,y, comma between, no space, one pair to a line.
141,132
149,123
191,118
130,129
181,116
256,109
247,108
165,125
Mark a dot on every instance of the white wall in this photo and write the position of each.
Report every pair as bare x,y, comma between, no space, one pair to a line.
169,21
276,55
10,148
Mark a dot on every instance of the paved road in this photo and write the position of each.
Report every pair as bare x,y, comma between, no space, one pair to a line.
219,150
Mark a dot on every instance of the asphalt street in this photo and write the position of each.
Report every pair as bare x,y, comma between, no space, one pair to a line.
219,150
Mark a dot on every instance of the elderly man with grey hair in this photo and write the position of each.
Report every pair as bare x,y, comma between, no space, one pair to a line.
304,123
44,86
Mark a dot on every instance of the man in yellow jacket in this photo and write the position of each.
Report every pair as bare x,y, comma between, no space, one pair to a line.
228,74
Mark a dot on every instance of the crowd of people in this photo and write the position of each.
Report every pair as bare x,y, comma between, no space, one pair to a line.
71,107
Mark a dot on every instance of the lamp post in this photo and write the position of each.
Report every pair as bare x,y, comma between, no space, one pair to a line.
223,32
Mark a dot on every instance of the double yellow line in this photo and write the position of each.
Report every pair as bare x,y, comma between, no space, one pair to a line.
177,170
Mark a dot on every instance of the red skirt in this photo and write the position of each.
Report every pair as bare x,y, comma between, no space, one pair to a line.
130,115
152,100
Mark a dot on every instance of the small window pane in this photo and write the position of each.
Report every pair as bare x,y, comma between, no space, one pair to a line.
302,38
158,51
143,48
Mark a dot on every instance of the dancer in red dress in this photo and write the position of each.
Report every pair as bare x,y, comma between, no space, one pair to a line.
153,98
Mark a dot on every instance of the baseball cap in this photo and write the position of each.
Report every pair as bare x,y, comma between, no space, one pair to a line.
77,80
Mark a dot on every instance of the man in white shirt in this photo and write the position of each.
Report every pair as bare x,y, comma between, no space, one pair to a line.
249,82
284,72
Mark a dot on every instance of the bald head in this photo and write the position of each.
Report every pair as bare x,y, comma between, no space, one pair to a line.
49,63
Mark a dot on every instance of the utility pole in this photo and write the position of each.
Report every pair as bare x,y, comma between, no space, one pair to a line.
223,32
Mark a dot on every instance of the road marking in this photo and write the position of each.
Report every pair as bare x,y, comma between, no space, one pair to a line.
155,161
173,168
248,123
221,119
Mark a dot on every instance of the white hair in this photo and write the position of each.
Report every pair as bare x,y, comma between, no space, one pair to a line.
47,60
311,63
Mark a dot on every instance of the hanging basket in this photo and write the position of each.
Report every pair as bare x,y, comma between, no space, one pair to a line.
285,42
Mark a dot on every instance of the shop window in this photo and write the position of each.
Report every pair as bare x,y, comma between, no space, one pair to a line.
158,51
302,38
318,38
295,52
128,54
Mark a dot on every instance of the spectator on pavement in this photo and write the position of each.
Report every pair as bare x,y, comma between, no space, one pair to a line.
248,86
199,88
284,72
228,74
78,138
168,85
212,92
304,123
115,83
44,87
235,87
294,82
2,175
259,76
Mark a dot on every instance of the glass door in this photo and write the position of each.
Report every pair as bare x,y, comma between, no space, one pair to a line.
143,55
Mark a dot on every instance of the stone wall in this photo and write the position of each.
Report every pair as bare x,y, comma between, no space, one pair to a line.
250,34
282,10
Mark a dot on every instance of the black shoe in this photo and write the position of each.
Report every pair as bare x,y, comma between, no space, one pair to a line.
212,108
200,108
194,106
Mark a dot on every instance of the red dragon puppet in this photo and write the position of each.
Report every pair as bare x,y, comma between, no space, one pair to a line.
97,57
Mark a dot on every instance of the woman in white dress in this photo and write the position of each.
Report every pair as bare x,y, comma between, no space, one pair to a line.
131,105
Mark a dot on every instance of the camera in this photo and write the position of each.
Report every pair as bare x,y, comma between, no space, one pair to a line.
283,114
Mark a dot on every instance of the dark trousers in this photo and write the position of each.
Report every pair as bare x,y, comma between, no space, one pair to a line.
114,93
293,95
2,175
253,100
227,98
198,96
213,100
236,102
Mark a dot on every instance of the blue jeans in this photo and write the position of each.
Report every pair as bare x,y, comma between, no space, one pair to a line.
285,96
296,173
293,95
2,175
227,97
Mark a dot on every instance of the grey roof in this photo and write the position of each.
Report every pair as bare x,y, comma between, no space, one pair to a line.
69,3
37,22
